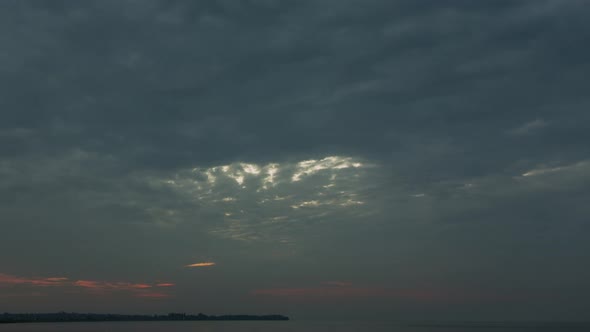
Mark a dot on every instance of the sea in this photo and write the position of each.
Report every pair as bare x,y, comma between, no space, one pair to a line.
282,326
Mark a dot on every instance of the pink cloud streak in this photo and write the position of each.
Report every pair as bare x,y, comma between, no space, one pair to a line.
13,280
138,289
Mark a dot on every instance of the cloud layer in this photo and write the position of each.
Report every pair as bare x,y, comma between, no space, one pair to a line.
404,145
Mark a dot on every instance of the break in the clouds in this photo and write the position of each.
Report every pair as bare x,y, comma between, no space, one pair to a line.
414,150
268,202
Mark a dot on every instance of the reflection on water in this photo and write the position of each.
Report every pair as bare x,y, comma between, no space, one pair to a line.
290,326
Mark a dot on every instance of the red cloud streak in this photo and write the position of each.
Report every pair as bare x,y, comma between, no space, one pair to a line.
13,280
138,289
101,285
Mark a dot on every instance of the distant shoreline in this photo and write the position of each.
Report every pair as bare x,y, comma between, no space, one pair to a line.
64,317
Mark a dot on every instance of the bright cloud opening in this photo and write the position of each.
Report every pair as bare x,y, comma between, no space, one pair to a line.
310,167
246,197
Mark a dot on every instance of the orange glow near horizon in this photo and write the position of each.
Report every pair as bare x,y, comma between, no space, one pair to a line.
202,264
153,295
415,295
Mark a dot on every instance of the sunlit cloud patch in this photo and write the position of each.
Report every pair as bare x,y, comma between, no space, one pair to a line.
310,167
550,170
251,202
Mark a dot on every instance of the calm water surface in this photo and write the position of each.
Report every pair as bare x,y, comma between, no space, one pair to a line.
291,326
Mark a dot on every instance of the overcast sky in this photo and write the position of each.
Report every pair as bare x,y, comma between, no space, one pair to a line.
415,159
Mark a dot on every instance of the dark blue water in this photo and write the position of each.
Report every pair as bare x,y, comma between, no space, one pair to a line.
290,326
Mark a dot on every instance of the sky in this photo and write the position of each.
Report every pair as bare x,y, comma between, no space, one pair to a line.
323,159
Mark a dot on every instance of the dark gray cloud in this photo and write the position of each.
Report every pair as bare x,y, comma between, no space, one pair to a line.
397,147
